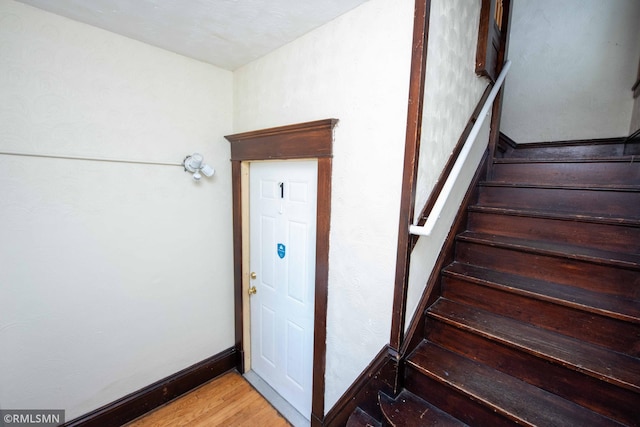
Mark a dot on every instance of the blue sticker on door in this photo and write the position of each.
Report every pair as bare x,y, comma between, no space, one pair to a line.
282,250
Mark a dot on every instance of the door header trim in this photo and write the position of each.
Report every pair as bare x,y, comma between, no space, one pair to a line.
303,140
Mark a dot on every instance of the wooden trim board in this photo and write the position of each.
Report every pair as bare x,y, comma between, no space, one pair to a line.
410,168
379,375
157,394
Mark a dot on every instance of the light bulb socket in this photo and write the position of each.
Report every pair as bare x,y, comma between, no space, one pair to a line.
195,164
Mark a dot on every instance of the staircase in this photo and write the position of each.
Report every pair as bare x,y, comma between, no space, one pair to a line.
538,318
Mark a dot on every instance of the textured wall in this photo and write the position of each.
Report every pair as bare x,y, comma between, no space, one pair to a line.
451,93
112,275
574,62
452,88
356,69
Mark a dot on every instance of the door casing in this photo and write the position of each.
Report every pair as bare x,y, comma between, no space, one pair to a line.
311,140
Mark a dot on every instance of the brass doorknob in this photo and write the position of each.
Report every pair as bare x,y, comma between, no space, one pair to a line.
253,275
252,290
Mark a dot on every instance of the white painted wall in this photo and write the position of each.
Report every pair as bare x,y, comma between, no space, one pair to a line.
112,276
452,92
452,88
356,69
574,62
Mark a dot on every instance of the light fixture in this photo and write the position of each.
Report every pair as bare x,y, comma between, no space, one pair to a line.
195,164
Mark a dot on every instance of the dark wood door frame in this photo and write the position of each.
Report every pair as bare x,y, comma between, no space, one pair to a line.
311,140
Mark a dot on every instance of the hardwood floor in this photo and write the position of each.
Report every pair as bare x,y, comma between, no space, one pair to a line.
226,401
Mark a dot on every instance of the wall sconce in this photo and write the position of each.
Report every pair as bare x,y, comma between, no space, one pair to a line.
195,164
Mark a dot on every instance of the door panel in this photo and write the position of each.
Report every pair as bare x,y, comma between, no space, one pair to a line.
267,257
282,220
268,335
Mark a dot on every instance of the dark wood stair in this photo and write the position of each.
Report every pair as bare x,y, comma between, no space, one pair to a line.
608,202
613,234
537,319
407,409
572,265
359,418
618,171
480,395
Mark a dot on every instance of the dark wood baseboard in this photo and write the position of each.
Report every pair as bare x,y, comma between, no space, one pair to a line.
157,394
379,375
632,144
505,144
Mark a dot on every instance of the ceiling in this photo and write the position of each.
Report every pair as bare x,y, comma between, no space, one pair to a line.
225,33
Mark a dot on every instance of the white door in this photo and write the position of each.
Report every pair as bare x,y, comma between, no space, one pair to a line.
282,221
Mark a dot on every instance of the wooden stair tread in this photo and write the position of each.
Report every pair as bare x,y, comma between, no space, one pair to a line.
627,158
517,400
360,418
407,409
583,299
559,215
590,187
594,188
609,147
631,188
580,356
618,259
613,202
604,171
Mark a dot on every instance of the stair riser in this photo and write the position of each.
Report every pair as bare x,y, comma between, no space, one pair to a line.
617,204
569,151
576,323
601,278
599,173
599,396
603,236
451,401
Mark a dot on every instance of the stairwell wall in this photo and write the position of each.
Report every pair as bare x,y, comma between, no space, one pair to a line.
574,62
356,69
112,276
452,91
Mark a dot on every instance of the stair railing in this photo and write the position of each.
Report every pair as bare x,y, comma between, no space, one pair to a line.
443,192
